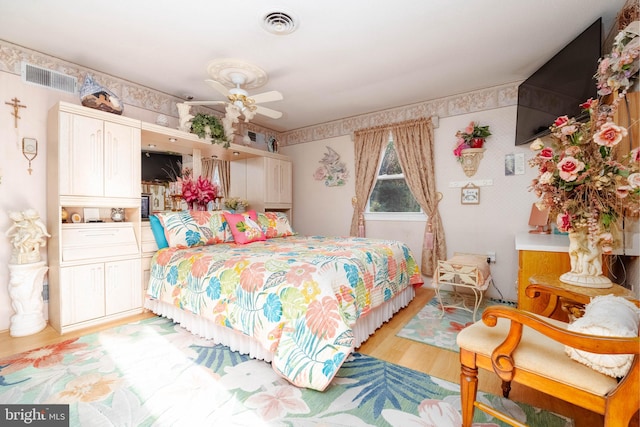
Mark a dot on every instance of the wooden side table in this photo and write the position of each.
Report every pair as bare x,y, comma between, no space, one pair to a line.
552,288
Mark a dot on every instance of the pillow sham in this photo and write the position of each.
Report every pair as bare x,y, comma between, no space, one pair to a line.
158,232
275,224
606,315
244,227
194,228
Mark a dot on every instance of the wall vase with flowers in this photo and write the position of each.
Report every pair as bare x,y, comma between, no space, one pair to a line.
582,179
469,147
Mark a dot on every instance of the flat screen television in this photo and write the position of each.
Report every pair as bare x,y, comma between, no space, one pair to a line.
559,86
157,166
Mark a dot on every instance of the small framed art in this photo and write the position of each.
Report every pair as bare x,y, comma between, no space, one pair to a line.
470,195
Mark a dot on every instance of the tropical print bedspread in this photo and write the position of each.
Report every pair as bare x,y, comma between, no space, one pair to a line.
298,296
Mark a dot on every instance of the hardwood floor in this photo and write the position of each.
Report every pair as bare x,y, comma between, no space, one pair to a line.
384,344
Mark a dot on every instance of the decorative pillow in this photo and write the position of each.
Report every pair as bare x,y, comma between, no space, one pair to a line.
275,224
158,232
195,228
244,227
612,316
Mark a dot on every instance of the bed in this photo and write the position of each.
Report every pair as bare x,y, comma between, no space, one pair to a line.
303,303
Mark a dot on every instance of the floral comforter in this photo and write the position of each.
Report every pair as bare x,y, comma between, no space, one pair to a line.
298,296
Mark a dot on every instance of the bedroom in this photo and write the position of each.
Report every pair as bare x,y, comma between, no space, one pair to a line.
487,227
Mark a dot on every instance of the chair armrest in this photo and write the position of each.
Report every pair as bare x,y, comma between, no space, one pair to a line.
502,355
592,343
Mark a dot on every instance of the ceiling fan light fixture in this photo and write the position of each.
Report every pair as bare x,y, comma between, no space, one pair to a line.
279,23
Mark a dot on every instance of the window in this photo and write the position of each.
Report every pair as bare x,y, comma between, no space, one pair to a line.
390,193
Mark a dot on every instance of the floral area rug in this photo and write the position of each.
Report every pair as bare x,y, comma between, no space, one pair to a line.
437,328
154,373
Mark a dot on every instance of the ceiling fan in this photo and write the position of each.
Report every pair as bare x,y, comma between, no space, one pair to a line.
240,99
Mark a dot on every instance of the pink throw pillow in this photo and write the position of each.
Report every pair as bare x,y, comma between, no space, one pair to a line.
244,227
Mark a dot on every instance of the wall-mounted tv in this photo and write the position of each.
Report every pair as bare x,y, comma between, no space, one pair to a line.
559,86
156,167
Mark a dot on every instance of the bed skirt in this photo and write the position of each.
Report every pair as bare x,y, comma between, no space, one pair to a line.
244,344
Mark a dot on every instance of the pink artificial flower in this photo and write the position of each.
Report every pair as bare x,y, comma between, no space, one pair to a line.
469,129
569,168
563,221
546,153
561,121
635,154
623,191
459,148
609,135
587,104
634,180
569,130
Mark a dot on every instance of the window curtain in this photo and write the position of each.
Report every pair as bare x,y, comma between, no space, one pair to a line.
368,145
224,172
413,141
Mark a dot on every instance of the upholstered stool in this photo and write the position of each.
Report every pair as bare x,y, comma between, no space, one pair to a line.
470,271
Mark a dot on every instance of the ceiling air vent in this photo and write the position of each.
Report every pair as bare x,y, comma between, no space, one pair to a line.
47,78
279,23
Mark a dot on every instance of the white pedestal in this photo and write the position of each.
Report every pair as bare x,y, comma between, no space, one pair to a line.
25,290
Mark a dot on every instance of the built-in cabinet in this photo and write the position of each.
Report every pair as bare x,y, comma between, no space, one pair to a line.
98,271
98,157
93,165
269,184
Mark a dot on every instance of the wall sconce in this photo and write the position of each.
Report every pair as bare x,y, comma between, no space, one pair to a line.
471,160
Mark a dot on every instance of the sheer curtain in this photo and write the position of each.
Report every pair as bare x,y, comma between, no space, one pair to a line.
413,141
368,145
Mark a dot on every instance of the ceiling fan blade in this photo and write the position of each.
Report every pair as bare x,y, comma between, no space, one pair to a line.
218,86
271,96
268,112
204,102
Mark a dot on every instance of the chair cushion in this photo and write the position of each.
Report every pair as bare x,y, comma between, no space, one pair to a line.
610,316
536,354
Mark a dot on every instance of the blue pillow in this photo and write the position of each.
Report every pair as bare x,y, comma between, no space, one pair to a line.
158,232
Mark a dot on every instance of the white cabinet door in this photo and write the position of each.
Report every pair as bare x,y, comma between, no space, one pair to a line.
81,155
82,293
277,181
122,286
121,160
98,158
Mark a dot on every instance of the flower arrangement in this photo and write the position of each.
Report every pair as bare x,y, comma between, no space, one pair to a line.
581,178
200,191
206,125
586,184
473,136
235,203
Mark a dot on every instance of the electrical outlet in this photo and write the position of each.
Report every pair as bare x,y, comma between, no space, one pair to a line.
491,257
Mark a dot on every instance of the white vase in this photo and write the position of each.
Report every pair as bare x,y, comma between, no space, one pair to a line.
586,263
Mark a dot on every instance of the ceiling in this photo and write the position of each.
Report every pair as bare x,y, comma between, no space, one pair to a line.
345,58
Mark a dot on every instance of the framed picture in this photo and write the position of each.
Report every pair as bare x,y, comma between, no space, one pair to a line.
470,195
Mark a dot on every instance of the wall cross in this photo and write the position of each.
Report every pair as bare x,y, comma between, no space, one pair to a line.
15,103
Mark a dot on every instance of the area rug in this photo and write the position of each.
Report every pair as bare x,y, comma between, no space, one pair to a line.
154,373
437,328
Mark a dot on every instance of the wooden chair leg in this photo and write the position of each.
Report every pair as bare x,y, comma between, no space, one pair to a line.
468,390
506,389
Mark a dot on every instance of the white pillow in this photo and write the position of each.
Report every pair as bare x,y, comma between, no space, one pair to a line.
612,316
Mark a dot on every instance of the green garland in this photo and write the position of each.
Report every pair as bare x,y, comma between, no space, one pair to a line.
199,125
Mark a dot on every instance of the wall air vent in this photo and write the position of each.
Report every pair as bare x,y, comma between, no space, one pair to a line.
258,138
52,79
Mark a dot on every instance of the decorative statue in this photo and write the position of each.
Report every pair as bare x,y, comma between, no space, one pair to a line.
27,234
184,116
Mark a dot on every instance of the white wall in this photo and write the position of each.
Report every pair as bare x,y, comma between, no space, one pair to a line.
490,226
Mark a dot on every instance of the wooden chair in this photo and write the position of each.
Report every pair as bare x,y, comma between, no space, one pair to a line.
530,349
